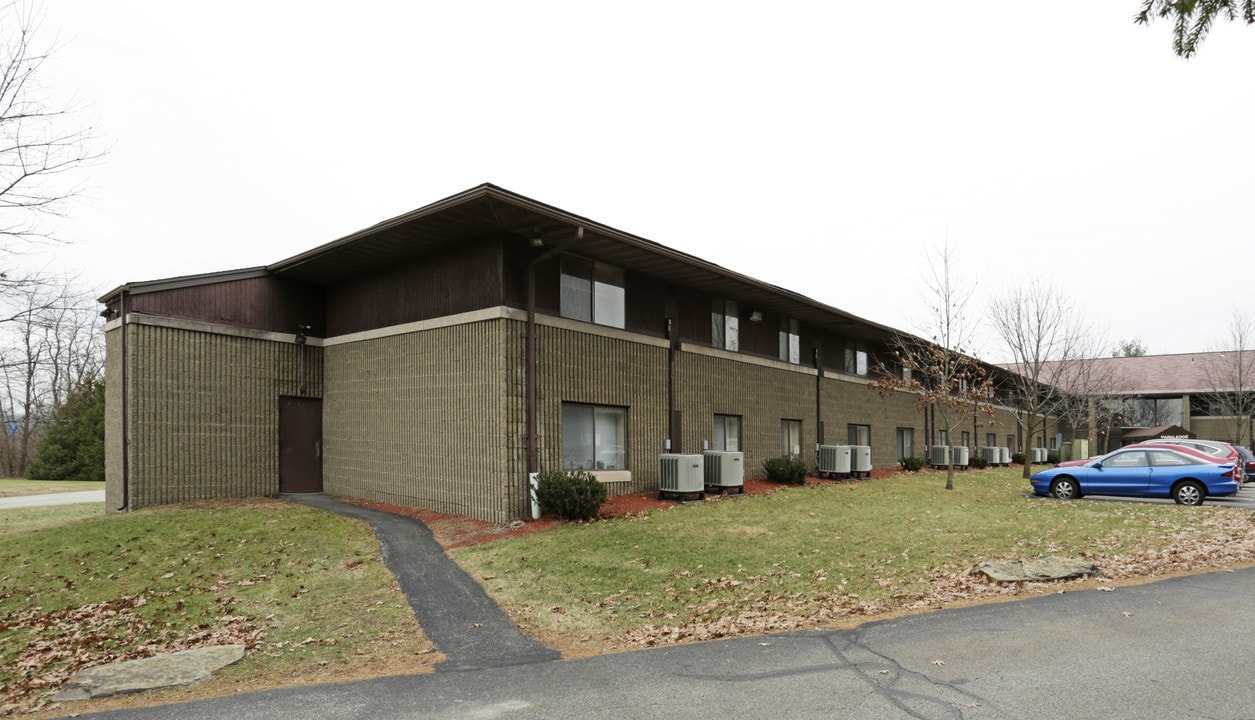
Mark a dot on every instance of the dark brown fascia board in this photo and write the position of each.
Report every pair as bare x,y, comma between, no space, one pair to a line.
183,281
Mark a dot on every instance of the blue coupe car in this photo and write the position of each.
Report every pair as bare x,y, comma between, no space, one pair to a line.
1140,472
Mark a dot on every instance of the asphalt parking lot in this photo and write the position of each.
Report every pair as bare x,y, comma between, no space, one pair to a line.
1245,499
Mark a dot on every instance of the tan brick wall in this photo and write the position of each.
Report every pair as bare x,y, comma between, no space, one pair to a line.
428,418
114,447
848,400
1227,429
203,408
761,392
580,363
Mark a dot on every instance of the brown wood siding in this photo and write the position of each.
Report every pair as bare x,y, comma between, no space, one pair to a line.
760,338
692,314
646,304
461,280
264,303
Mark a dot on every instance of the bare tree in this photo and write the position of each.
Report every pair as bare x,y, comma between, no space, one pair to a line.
1230,372
1047,341
40,145
939,371
49,344
1091,388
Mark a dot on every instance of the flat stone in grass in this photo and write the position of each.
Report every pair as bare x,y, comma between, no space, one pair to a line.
1047,567
180,668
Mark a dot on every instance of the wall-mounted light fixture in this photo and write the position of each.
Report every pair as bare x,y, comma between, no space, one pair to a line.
536,240
108,313
756,316
300,334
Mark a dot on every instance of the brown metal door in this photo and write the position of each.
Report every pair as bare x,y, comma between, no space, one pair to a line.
300,445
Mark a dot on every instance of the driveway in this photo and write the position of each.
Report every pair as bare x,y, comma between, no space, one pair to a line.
65,498
1177,648
1244,500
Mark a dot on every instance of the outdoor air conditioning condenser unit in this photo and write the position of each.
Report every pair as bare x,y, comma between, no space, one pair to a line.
960,453
861,459
724,469
939,455
833,459
992,455
681,473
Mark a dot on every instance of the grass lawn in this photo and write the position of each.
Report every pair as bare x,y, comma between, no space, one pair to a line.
305,589
15,520
13,487
832,554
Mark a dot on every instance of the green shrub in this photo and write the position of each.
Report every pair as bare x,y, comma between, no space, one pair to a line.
73,446
913,464
1052,457
785,469
978,462
1017,458
575,495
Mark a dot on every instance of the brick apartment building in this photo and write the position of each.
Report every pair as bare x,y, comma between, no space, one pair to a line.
436,358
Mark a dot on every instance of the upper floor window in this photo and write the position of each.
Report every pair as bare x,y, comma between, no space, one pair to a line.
856,358
725,324
790,341
592,292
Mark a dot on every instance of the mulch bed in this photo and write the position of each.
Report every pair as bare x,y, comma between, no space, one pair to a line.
454,531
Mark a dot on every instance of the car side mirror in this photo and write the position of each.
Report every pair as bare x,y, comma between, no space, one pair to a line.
1098,466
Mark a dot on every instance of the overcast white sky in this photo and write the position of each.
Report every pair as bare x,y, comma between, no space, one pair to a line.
821,146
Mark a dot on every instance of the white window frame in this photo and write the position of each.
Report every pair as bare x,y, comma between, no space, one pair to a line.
791,438
725,324
856,432
727,434
594,437
592,292
790,341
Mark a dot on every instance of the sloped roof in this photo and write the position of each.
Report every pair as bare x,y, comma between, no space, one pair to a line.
1167,375
491,211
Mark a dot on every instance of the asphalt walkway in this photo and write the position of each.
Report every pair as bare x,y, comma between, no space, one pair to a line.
454,611
65,498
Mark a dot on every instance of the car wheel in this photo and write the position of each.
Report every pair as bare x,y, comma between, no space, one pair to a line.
1189,493
1064,489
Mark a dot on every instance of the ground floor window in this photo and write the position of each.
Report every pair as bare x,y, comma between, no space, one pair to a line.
860,434
991,440
1011,441
905,443
943,437
727,435
966,438
594,437
791,437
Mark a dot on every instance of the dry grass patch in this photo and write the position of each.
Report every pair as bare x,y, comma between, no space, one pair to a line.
305,591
